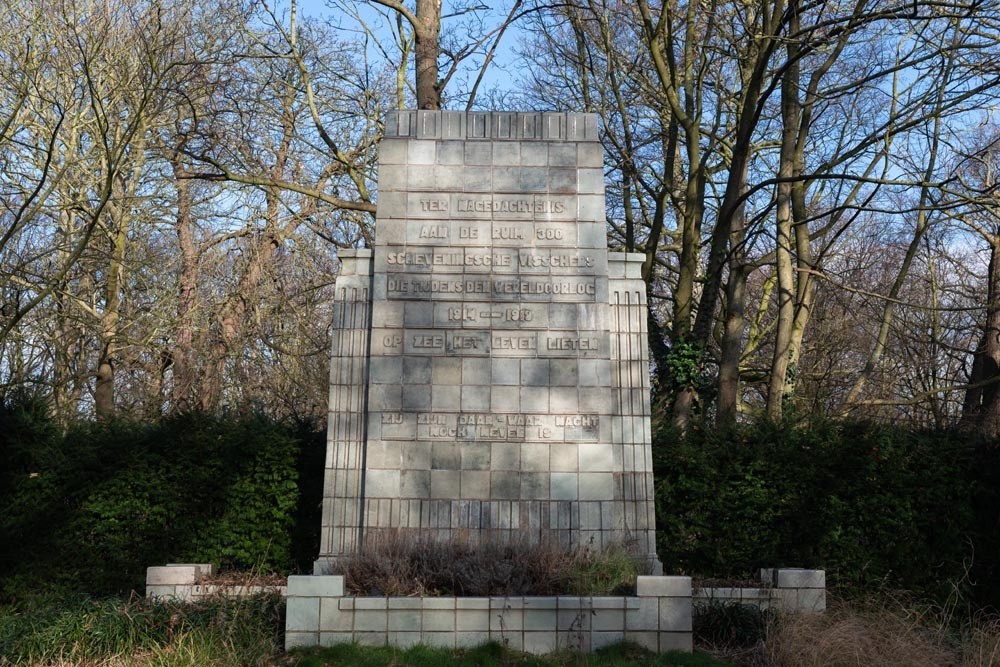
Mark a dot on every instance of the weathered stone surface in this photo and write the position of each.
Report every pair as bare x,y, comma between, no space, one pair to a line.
488,349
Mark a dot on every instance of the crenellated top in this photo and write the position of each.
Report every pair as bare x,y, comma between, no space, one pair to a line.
492,125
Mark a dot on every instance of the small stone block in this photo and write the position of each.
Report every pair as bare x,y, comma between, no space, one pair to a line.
606,620
371,638
647,640
675,614
403,603
795,578
438,603
302,615
471,639
540,619
472,603
332,619
172,575
663,586
300,639
438,620
377,604
404,620
644,618
404,639
676,641
334,638
539,643
370,621
472,620
812,600
311,585
601,639
439,639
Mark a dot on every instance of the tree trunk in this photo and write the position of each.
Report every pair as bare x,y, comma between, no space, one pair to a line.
427,33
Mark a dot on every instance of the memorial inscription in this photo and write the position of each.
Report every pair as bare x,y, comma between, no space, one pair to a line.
489,347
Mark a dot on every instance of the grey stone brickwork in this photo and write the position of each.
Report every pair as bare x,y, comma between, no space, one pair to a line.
490,368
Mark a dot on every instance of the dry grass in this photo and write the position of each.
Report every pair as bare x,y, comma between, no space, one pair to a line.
391,564
888,634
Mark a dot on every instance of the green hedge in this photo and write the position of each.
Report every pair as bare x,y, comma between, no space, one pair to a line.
89,510
873,505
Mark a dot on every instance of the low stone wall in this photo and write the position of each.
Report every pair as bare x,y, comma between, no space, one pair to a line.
184,582
658,617
789,590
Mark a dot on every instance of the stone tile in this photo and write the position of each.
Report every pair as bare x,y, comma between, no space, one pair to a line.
591,181
535,485
446,398
416,455
449,152
478,179
415,484
563,400
535,372
811,600
535,399
534,154
446,371
476,484
505,485
478,153
371,638
540,620
564,372
475,455
333,619
421,152
563,457
476,371
644,617
564,486
479,604
382,483
446,483
505,398
535,456
505,372
505,456
386,370
649,640
596,486
506,153
446,456
438,620
475,398
596,457
562,155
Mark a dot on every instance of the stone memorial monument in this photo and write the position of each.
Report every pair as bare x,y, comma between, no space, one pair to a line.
489,366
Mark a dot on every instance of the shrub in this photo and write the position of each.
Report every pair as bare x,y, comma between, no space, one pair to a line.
88,511
875,506
392,564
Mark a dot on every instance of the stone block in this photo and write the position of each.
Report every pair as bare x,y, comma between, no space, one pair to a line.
370,620
471,639
446,483
597,486
172,575
540,643
473,620
600,639
675,614
301,639
475,484
796,578
663,586
535,456
404,640
302,615
676,641
649,640
438,639
644,616
334,638
504,618
540,619
404,620
564,486
371,638
438,620
811,600
333,619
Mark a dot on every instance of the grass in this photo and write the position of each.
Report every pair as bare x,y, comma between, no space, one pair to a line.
491,655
